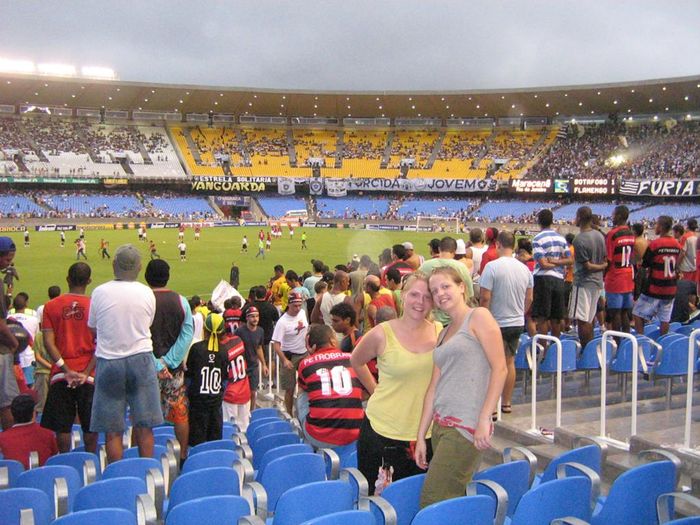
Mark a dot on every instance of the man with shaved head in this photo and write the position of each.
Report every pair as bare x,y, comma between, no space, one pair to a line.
377,299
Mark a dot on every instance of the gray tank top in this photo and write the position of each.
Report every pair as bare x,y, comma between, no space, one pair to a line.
464,379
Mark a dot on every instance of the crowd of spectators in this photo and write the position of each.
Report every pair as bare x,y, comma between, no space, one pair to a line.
364,145
645,151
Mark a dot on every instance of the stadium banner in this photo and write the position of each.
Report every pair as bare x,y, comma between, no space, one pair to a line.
11,228
591,186
531,185
286,186
49,180
230,184
316,186
55,227
320,225
237,201
422,185
661,188
384,227
336,187
562,186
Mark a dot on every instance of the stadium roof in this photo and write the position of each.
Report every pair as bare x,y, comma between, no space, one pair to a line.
673,95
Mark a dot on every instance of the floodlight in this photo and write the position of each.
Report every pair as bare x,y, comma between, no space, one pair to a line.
57,70
16,66
98,72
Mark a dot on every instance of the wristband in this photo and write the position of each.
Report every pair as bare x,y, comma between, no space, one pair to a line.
60,363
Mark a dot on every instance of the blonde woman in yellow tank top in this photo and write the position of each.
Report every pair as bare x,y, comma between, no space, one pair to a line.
403,348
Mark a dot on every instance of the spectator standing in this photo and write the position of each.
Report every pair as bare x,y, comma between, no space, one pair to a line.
589,264
552,256
121,313
8,343
234,276
660,290
412,258
619,277
253,337
71,345
491,253
172,330
288,342
506,290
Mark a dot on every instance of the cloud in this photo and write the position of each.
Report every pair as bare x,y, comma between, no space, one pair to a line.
361,45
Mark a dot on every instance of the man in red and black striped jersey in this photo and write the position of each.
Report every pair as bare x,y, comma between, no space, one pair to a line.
660,290
619,277
329,406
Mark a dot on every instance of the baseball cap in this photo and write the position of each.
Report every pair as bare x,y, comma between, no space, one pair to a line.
252,311
127,258
6,245
295,297
355,257
408,245
461,247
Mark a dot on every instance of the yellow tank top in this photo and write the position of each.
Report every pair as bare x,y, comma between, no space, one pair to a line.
395,408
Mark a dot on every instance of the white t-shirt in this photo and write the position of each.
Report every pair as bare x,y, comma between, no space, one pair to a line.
31,324
328,301
198,319
122,312
182,246
508,280
290,332
477,254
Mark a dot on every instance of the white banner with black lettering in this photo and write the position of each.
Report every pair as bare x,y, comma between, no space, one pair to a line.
661,188
423,185
316,186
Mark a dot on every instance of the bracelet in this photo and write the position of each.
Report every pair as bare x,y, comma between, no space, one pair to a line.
60,363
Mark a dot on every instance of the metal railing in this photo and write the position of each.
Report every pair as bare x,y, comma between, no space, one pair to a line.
604,375
692,343
533,365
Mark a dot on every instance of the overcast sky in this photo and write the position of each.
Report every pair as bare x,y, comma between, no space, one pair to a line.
358,44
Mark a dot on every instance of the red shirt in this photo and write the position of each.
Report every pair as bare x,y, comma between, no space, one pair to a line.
17,442
232,318
383,299
67,316
661,258
335,396
491,254
403,267
238,387
619,245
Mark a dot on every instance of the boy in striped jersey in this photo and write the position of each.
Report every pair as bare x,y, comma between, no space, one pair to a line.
657,296
329,405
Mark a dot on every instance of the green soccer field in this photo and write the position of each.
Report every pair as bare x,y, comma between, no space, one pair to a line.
45,263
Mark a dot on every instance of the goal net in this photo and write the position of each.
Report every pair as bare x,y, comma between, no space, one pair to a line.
435,223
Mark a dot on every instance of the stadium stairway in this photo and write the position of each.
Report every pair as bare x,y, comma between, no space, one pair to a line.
436,150
291,151
339,148
386,156
191,144
244,149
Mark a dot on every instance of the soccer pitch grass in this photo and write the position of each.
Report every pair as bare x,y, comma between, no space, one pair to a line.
45,263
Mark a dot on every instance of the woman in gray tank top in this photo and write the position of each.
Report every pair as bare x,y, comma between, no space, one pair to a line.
468,375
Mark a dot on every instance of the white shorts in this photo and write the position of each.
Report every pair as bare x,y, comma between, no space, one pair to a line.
237,414
583,303
649,307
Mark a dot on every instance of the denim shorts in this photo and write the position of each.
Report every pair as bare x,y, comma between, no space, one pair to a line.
130,380
620,301
649,307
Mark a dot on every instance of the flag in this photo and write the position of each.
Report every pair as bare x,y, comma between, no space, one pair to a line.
285,186
336,187
316,186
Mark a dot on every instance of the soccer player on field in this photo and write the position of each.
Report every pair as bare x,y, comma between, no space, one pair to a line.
659,291
619,277
329,406
182,247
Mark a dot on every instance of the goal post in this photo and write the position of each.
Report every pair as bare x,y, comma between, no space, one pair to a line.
435,223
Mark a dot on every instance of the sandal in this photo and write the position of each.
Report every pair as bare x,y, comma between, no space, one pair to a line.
506,409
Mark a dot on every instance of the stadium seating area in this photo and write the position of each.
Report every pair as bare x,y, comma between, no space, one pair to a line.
679,212
416,145
319,144
633,151
57,146
512,211
190,208
16,206
412,208
92,205
276,207
351,207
